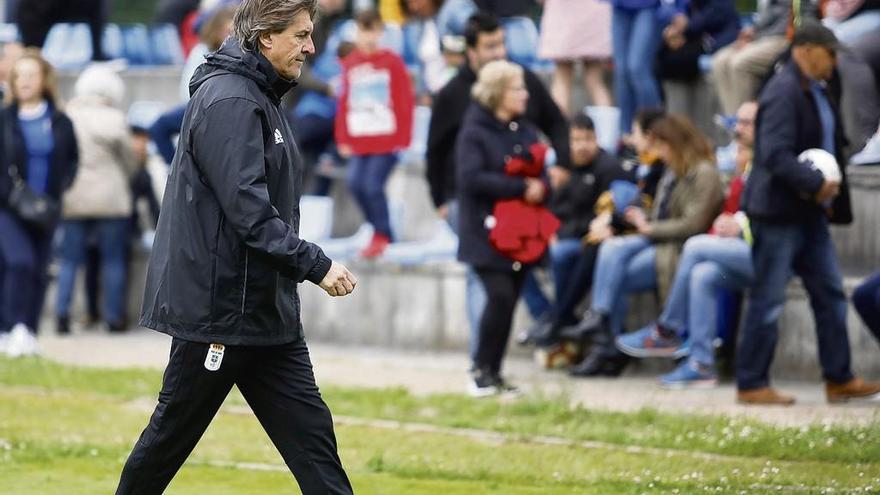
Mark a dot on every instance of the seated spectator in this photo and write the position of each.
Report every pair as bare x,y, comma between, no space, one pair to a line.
866,300
576,191
373,123
852,19
99,202
790,206
689,197
739,68
40,151
494,133
421,20
709,263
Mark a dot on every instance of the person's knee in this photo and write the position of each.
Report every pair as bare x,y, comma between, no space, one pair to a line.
705,274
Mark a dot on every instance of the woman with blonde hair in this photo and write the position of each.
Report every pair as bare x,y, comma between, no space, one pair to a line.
689,197
493,136
98,204
39,157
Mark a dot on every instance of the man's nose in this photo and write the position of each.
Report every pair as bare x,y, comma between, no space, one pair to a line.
309,48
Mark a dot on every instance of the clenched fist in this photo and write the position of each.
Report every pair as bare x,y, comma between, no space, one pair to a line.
338,281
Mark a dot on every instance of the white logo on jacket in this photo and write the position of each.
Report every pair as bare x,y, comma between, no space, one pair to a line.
278,138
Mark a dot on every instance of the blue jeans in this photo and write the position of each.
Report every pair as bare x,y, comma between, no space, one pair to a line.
24,255
572,276
367,175
635,36
475,293
112,235
708,264
625,264
866,299
807,251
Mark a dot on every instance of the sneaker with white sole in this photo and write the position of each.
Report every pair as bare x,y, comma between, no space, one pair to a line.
21,342
482,384
689,375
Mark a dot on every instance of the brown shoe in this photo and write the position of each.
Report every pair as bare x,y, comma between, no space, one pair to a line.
853,389
763,396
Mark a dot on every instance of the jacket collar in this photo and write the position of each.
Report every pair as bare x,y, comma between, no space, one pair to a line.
251,64
486,117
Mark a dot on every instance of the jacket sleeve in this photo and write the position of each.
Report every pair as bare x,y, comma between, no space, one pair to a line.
549,118
442,132
475,177
405,100
228,148
775,140
699,212
72,155
164,128
340,130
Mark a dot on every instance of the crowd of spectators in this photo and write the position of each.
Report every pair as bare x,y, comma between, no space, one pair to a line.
513,165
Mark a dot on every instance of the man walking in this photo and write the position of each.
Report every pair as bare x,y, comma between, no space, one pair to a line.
790,205
224,270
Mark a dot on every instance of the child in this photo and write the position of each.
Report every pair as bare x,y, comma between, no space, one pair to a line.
373,123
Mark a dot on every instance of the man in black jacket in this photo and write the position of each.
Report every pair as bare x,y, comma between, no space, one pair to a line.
790,205
227,259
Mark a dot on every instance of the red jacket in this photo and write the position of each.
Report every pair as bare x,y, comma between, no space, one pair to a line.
522,231
375,108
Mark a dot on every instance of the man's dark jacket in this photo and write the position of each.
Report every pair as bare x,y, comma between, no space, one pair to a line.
780,189
447,115
227,258
575,202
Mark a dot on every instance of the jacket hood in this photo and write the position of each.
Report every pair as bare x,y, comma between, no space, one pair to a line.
230,58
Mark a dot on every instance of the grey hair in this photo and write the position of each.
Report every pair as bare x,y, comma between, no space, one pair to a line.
493,80
257,17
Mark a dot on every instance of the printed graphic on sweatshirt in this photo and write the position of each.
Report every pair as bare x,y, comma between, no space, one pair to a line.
369,102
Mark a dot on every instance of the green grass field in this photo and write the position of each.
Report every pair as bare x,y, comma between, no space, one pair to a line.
67,430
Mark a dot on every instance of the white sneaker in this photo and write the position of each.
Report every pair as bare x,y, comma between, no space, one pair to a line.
21,342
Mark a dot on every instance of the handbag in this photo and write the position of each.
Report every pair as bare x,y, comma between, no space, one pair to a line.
34,209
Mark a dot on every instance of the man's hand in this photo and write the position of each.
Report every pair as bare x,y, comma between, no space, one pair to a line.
726,226
746,36
535,191
830,189
338,281
443,211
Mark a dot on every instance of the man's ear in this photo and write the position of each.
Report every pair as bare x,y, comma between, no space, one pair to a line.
265,41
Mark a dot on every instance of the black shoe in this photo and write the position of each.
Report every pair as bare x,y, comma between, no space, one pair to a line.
503,386
482,384
598,363
593,323
63,326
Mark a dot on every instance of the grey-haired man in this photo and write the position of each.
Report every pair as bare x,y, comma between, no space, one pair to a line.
224,270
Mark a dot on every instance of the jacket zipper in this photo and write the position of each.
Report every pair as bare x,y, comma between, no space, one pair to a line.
244,284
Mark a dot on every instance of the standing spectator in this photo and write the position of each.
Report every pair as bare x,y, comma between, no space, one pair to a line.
701,28
373,123
421,21
689,198
494,130
215,26
484,40
576,191
786,202
709,263
100,202
635,39
39,143
739,68
36,18
565,41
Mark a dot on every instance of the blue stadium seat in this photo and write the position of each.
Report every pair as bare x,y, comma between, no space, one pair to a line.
165,44
316,218
9,32
112,43
521,39
607,120
136,42
68,46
